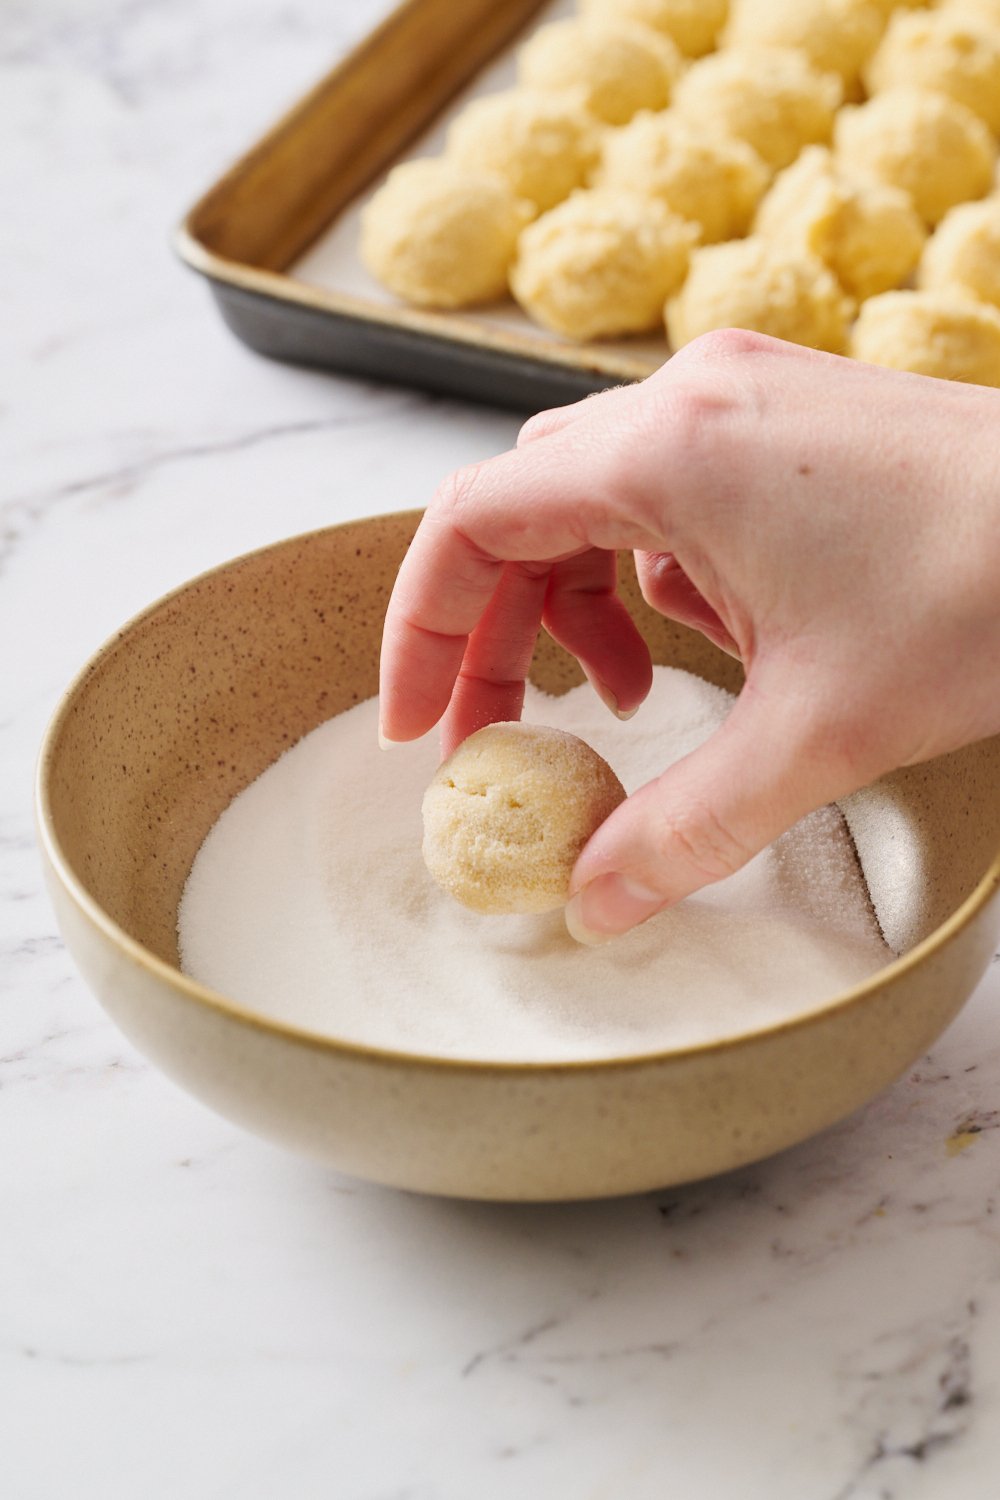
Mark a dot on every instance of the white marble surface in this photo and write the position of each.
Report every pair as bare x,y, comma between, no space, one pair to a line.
187,1314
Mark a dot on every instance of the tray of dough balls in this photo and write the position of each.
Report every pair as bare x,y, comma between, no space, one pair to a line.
620,176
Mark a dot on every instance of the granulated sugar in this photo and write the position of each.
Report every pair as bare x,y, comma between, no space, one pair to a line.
309,903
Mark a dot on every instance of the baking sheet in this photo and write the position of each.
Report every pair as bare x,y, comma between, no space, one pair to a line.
332,262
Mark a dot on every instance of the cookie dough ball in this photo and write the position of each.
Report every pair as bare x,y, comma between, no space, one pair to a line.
869,234
772,289
963,255
442,235
888,6
508,813
768,96
694,25
837,36
617,67
987,11
715,181
601,264
947,51
934,149
542,145
930,333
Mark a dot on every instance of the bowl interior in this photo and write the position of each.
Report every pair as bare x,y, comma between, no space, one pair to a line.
196,697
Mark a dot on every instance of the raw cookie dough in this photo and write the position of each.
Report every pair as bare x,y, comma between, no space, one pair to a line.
963,255
933,148
837,36
984,10
950,52
713,180
930,333
755,284
541,144
601,264
693,24
442,235
868,233
617,67
507,814
768,96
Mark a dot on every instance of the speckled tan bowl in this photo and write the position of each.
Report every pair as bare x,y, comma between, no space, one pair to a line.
198,695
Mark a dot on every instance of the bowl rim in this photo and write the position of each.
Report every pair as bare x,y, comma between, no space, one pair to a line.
229,1009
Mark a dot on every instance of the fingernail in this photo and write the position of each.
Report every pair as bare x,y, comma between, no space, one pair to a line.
608,698
384,743
609,906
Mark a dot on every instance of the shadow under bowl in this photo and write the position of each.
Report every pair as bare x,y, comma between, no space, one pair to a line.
194,698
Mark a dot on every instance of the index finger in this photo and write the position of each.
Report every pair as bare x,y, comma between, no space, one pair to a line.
544,503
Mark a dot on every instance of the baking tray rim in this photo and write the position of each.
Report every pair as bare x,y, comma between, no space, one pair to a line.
441,328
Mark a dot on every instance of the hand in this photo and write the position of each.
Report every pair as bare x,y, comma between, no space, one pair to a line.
834,525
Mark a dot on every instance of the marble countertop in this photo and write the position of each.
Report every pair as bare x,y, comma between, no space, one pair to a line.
188,1314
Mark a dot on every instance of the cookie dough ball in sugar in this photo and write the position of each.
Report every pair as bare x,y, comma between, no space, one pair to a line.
617,67
541,144
770,288
693,24
930,333
869,234
947,51
963,255
768,96
508,813
837,36
713,180
442,235
934,149
601,264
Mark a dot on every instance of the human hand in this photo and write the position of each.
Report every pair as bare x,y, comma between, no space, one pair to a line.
834,525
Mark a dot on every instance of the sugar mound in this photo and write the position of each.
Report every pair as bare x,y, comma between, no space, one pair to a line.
310,904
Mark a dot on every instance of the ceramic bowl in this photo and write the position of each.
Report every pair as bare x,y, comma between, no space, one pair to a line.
195,697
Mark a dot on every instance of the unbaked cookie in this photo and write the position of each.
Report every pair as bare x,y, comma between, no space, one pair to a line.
772,289
868,233
601,264
984,10
442,235
508,813
930,333
950,52
541,144
616,67
925,143
693,24
887,7
963,254
713,180
837,36
769,96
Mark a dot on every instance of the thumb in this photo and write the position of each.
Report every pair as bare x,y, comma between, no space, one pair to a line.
702,820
